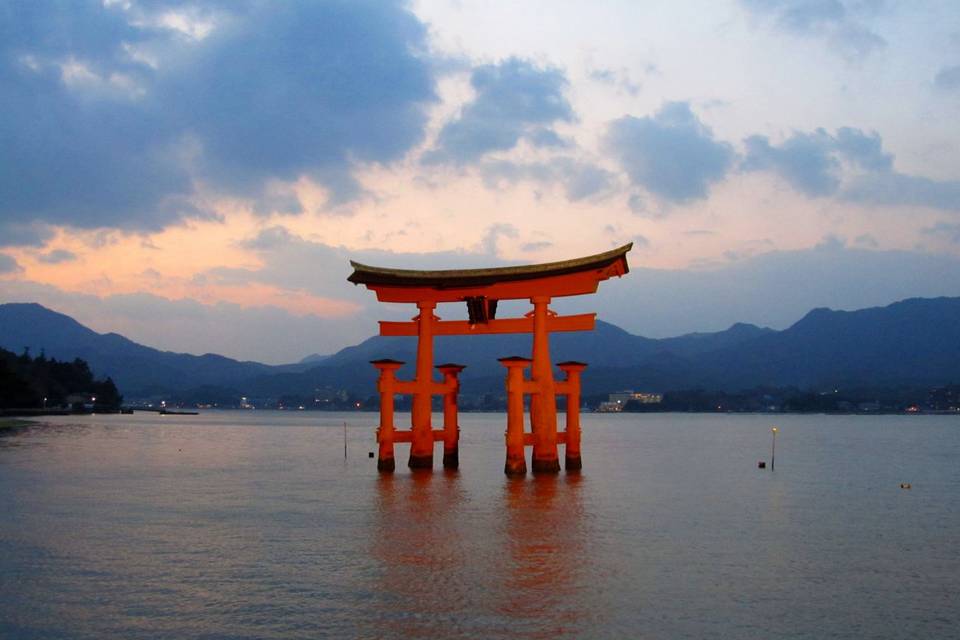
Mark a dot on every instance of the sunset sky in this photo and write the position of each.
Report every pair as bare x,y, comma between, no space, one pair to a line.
197,175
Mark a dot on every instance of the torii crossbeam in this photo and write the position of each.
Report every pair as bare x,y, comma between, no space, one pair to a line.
481,289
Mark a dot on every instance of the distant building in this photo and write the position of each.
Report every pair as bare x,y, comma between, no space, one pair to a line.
617,401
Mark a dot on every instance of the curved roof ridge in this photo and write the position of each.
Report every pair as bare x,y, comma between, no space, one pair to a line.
366,274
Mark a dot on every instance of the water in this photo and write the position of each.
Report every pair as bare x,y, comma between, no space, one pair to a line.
252,525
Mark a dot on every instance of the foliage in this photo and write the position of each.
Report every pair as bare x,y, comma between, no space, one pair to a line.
25,382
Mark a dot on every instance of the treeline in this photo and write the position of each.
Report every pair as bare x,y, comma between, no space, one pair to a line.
45,383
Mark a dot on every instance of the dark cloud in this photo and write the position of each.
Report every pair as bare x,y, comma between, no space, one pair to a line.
8,264
863,149
270,238
491,237
894,189
581,180
306,88
866,240
292,262
620,79
948,78
31,234
95,136
947,230
670,154
548,138
839,23
531,247
57,256
804,160
815,163
810,162
514,99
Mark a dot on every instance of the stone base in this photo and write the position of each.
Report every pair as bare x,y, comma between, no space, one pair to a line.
386,465
549,465
451,460
573,463
420,462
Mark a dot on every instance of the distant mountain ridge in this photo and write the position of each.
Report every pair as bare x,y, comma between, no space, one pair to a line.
134,367
914,342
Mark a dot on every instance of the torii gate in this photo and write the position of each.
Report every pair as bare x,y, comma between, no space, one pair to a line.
481,289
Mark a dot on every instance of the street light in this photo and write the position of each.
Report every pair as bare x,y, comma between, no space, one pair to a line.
773,449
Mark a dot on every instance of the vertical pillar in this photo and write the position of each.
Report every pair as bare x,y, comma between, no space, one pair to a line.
451,427
516,464
385,385
543,412
572,451
421,445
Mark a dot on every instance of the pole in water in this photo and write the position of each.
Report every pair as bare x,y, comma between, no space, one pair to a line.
344,440
773,449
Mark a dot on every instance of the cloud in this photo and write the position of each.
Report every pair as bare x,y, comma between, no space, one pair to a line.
492,235
670,154
841,24
581,180
803,160
544,138
293,263
57,256
850,165
947,230
8,265
897,189
112,118
620,79
948,78
866,240
31,234
811,162
532,247
514,99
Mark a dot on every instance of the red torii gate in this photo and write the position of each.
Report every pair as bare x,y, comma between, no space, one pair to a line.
481,289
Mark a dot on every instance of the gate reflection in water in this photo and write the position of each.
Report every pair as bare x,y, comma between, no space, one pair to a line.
433,559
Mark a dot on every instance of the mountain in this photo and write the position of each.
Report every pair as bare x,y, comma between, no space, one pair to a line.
914,343
136,369
313,359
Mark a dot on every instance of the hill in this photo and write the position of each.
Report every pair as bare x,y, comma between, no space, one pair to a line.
136,369
913,343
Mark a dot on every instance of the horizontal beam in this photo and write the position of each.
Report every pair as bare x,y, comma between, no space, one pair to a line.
406,435
581,322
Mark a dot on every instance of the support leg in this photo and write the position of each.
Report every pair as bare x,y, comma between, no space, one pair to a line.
421,446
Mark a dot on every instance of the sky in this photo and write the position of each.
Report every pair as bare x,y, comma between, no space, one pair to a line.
197,175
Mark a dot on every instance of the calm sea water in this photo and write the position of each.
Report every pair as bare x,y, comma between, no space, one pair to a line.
252,525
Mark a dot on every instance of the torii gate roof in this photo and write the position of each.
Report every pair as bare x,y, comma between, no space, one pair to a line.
567,277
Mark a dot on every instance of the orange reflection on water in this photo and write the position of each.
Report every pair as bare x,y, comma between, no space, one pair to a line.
455,563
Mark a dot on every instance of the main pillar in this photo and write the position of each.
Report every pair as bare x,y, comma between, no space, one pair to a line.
572,450
516,464
451,427
385,434
421,445
543,404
